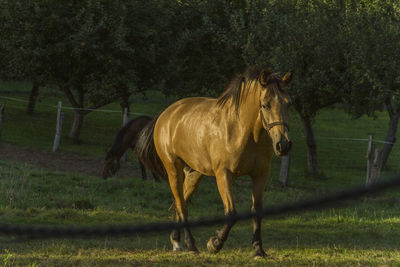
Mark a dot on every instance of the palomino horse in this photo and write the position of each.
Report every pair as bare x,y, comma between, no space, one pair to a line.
234,135
125,138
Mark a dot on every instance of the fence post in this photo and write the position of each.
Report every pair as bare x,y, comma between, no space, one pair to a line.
125,120
2,107
285,167
369,155
125,117
374,162
60,117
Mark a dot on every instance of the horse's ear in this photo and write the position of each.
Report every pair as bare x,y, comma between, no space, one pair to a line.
287,78
264,77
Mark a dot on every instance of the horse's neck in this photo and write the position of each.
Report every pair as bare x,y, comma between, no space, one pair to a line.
126,143
248,118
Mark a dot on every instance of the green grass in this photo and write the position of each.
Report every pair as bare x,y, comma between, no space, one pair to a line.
365,232
38,130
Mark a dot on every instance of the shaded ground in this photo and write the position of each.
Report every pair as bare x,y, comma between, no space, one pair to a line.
63,162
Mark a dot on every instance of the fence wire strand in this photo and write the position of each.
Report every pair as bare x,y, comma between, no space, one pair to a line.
30,232
72,108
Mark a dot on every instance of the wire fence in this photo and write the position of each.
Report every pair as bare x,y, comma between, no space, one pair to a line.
101,125
352,142
29,232
342,144
39,130
66,107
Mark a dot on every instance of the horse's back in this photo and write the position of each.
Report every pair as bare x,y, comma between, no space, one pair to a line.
135,127
193,112
143,119
183,131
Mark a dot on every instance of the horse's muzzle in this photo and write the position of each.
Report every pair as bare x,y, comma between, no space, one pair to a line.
283,147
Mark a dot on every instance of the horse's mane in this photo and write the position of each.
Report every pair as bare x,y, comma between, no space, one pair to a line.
117,144
240,86
118,140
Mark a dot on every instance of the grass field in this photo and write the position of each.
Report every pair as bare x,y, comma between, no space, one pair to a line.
364,232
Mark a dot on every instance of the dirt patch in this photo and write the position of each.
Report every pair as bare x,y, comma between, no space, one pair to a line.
63,162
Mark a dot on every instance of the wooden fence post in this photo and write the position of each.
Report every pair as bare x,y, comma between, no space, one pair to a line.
371,146
125,120
285,167
125,117
2,107
374,162
60,117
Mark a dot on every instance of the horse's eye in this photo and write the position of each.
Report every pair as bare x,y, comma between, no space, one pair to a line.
267,106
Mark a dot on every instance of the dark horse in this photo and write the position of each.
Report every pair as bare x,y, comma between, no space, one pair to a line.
125,138
226,137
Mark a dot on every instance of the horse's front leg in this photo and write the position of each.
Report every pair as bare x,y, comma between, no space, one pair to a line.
224,183
259,183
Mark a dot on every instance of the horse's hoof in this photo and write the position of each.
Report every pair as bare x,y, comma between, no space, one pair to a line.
194,252
259,254
214,244
177,247
192,249
174,239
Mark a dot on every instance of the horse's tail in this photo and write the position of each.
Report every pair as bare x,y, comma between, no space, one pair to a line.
146,150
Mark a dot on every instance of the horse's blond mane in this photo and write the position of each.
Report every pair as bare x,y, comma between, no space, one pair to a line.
240,86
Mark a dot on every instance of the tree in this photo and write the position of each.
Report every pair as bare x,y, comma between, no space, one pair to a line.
374,81
198,58
21,62
299,35
79,46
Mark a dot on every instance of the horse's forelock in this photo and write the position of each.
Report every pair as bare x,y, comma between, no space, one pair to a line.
274,88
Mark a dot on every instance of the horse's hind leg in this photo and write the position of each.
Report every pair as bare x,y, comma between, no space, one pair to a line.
155,176
191,183
175,236
175,178
143,169
224,183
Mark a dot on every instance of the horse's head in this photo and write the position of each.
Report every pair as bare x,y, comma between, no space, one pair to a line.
111,165
274,110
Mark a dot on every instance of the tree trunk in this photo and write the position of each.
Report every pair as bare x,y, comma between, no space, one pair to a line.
374,163
2,107
124,99
123,95
125,104
76,126
32,98
285,167
312,162
390,138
